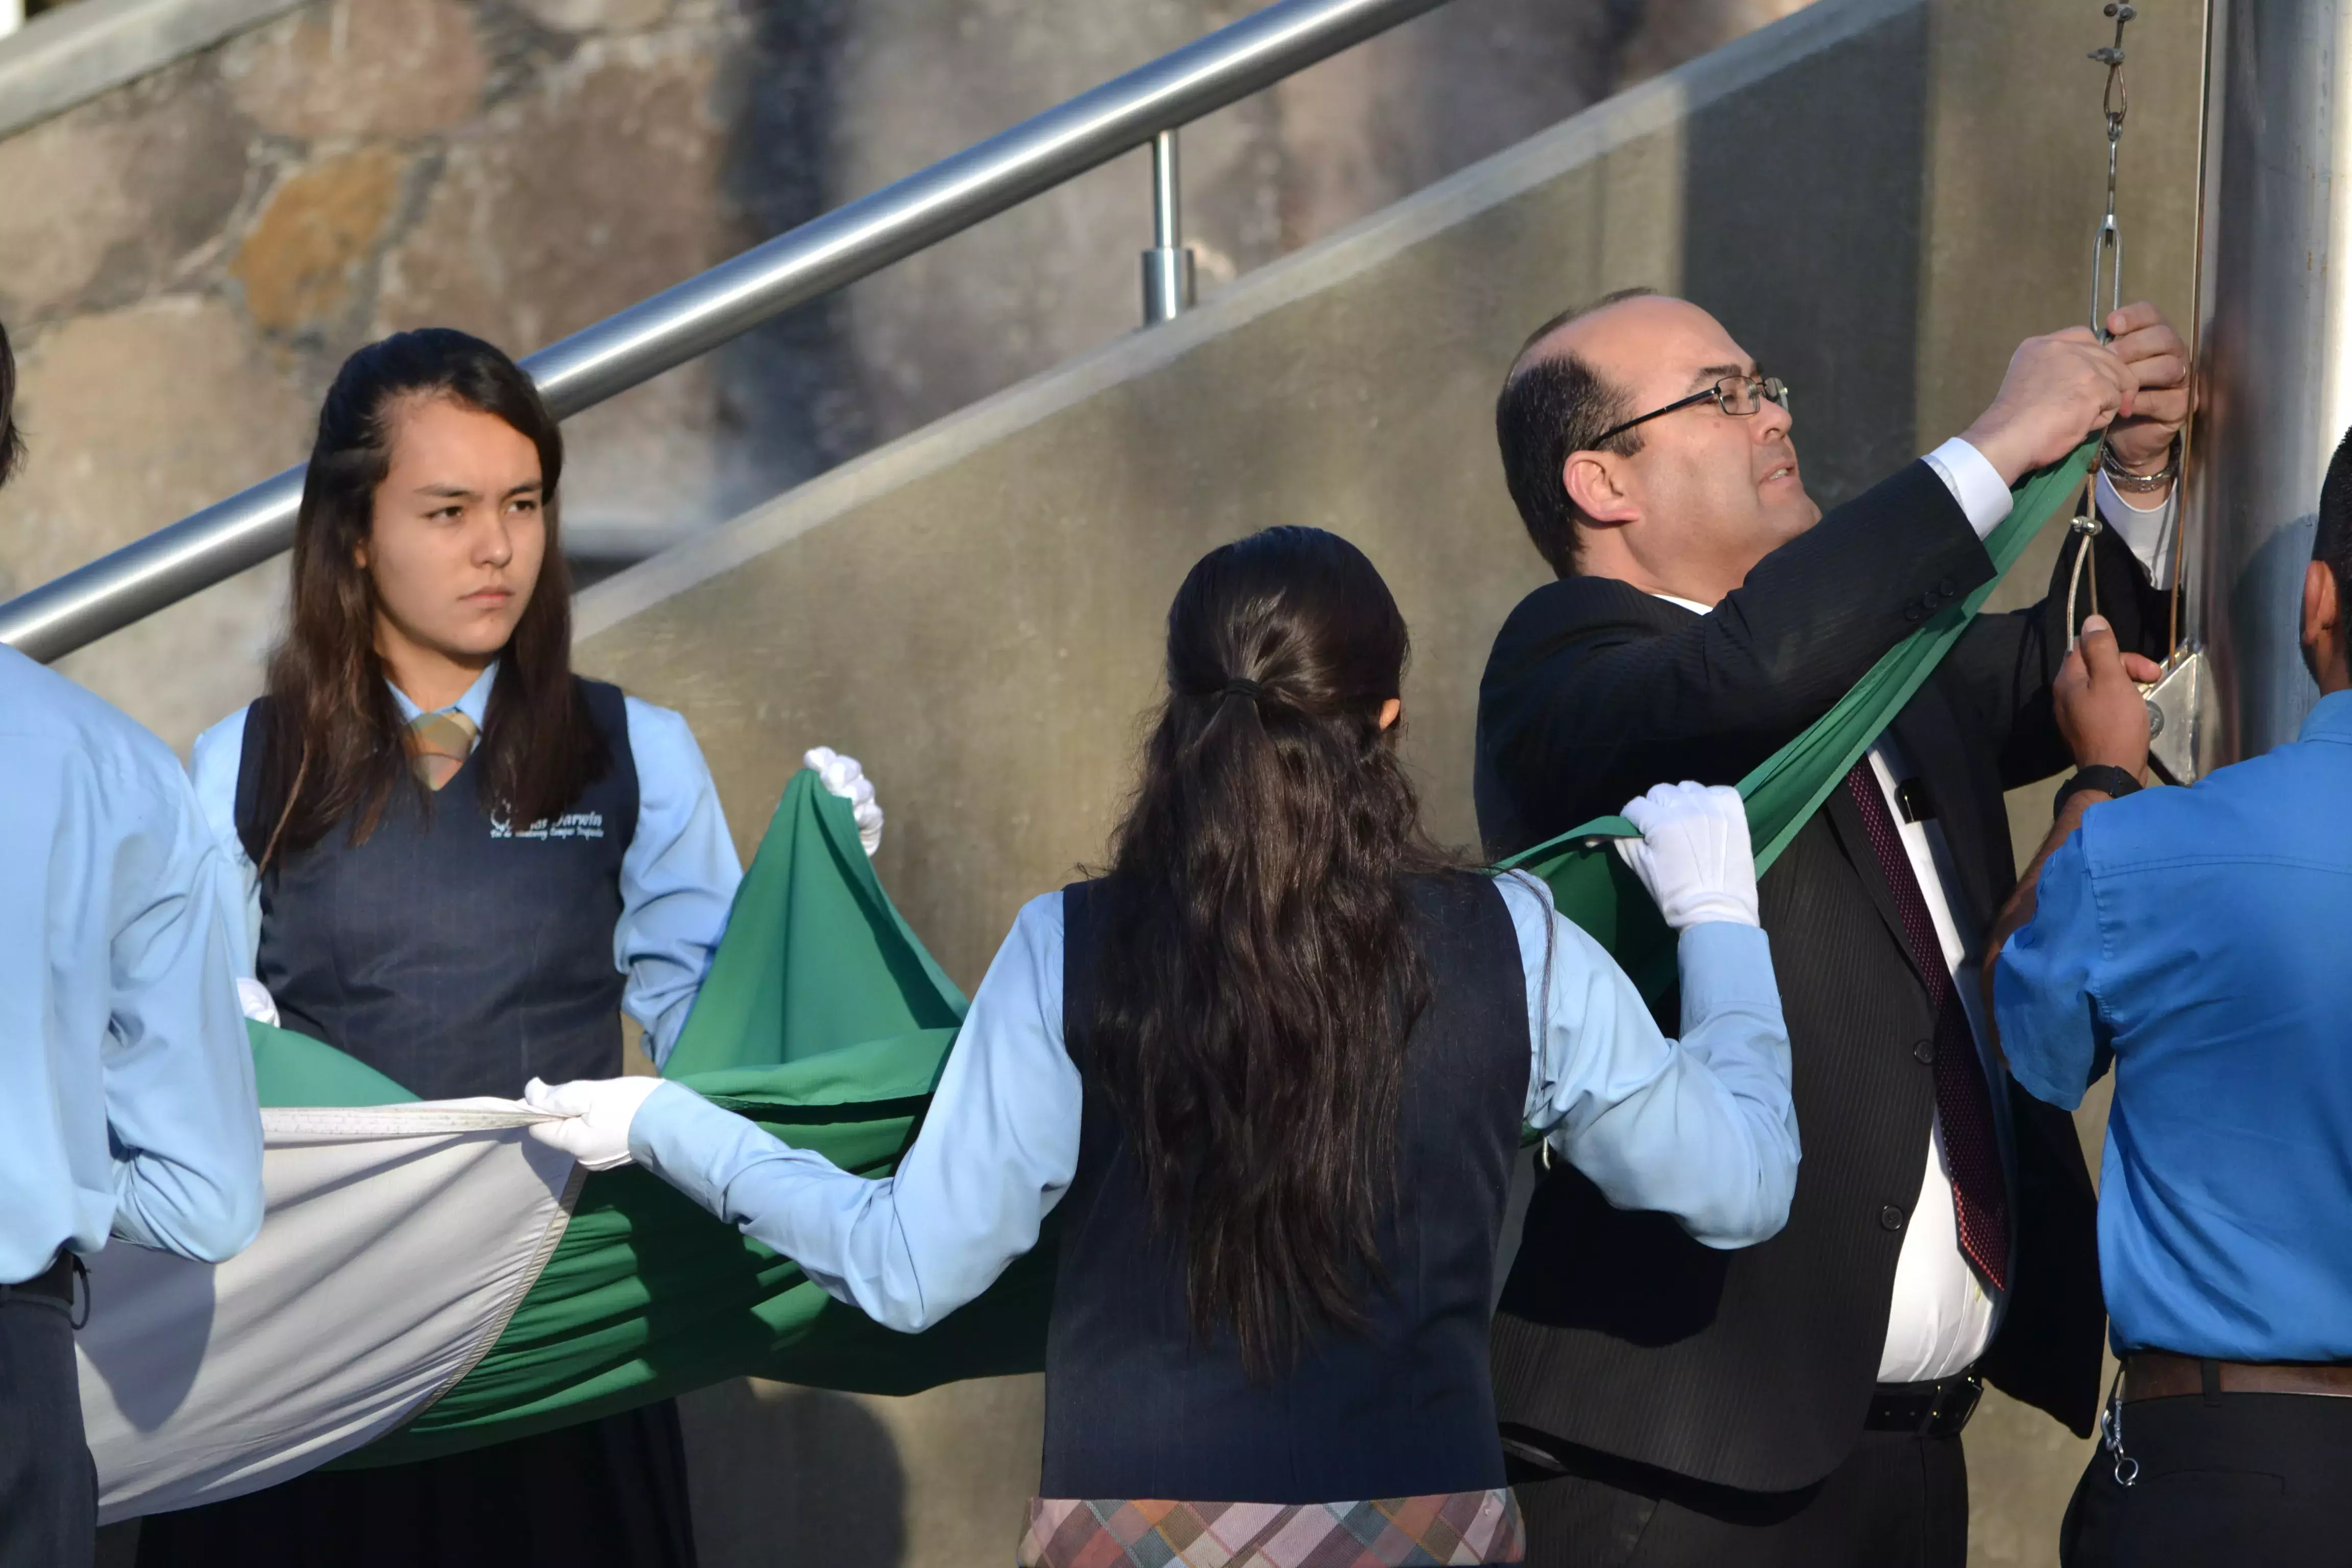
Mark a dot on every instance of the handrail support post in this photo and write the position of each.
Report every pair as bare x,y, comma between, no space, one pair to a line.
1168,265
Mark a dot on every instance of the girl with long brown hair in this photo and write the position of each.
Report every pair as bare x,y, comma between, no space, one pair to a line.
1268,1073
462,864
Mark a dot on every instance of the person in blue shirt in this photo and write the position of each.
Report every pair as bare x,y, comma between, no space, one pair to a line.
1268,1075
130,1107
2193,940
460,863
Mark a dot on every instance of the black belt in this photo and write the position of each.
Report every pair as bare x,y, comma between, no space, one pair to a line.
53,1287
1929,1409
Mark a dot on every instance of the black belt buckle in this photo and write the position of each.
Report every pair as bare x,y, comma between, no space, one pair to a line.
1928,1409
1955,1403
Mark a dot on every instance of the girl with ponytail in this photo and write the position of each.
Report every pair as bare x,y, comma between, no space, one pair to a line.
1268,1074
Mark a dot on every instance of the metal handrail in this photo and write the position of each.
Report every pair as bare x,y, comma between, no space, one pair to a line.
698,315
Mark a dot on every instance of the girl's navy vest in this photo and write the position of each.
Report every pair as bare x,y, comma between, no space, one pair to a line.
454,951
1135,1407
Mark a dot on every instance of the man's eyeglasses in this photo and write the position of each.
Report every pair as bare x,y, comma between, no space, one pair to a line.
1738,395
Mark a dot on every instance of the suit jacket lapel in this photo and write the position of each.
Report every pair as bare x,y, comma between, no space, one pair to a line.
1928,732
1845,818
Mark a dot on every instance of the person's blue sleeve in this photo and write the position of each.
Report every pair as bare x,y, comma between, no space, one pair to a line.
213,768
677,880
181,1107
2046,984
998,1148
1702,1128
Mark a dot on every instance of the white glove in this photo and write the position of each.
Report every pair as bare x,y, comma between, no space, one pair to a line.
258,1004
843,776
1693,854
596,1114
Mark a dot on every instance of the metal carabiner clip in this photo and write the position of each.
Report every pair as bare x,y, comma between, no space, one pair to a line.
2111,1433
2107,260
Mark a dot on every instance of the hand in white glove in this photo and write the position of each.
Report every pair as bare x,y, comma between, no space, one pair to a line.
1693,854
843,776
256,1001
596,1114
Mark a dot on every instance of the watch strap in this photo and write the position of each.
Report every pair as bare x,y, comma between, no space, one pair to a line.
2108,780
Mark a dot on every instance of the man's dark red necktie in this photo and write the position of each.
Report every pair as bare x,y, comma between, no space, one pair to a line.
1963,1105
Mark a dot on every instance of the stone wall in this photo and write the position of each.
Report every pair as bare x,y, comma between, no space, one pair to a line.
185,260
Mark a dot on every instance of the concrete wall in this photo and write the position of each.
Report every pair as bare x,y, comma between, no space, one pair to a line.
1878,196
185,257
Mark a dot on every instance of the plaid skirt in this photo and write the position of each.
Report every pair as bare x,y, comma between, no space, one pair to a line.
1445,1529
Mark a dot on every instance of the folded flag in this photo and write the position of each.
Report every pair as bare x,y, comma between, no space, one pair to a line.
429,1279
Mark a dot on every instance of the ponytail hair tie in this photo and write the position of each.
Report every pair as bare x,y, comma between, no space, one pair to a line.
1249,688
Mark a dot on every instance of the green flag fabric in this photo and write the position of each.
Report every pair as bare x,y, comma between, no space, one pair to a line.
1593,887
825,1020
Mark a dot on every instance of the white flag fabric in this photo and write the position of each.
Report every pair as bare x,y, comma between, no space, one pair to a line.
400,1239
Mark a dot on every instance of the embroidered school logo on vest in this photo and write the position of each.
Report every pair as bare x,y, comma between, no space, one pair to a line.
571,825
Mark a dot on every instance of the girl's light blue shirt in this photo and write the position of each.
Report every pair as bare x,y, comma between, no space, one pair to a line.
1701,1128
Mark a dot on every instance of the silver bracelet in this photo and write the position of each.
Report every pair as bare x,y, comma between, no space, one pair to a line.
2123,479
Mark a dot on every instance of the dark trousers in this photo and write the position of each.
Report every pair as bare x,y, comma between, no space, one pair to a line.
2246,1479
1898,1502
48,1490
603,1494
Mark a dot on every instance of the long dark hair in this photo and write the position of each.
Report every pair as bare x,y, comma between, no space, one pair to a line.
12,443
335,749
1257,977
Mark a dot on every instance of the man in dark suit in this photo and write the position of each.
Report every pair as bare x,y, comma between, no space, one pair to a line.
1801,1401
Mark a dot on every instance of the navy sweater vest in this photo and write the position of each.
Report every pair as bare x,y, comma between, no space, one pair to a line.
1135,1407
454,951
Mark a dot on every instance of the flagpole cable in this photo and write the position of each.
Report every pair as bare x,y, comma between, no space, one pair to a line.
2107,266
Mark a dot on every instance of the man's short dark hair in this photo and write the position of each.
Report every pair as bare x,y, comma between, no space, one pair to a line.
1552,404
11,444
2332,541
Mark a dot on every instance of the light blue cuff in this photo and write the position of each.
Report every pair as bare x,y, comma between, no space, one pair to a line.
1726,966
671,1128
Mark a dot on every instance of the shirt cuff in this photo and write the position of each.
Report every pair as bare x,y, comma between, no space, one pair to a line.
1974,482
2149,531
1725,967
676,1134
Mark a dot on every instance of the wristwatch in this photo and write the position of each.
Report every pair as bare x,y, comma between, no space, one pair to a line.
2109,781
2123,479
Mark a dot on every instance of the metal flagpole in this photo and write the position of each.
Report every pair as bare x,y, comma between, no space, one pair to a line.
2274,365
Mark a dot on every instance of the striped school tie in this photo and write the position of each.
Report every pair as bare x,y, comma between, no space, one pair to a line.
438,745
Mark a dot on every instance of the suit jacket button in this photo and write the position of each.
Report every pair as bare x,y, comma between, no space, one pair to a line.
1948,587
1891,1217
1924,1051
1914,613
